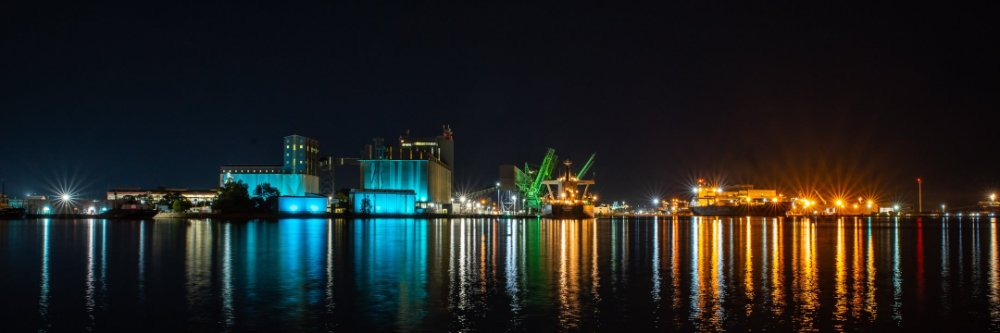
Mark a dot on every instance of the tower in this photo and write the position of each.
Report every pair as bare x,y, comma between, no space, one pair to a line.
301,155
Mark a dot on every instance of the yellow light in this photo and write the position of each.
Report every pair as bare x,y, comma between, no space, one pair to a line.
840,203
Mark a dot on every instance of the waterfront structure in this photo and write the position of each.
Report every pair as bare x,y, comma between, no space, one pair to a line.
195,196
328,172
302,204
429,180
421,166
301,155
286,183
376,202
743,201
568,200
297,176
991,205
441,147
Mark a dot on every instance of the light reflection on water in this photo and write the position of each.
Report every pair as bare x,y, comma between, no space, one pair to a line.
489,274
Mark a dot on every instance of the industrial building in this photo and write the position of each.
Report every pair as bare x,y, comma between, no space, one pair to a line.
415,176
298,176
194,196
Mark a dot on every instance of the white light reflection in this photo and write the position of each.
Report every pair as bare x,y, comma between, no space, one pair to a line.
897,276
695,268
655,293
945,287
330,303
227,278
43,295
510,270
141,275
89,291
994,294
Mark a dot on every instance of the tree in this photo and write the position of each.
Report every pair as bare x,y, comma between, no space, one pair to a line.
342,197
265,198
181,205
233,198
169,198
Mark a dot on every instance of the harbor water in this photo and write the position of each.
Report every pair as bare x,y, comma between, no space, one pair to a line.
355,275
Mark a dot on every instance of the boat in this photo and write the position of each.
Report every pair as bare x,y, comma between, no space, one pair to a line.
567,200
741,200
129,211
8,211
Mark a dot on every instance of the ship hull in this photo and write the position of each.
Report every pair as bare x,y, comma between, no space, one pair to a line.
561,211
769,209
11,213
129,214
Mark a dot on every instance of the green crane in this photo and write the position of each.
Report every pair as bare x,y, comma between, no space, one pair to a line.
531,185
586,166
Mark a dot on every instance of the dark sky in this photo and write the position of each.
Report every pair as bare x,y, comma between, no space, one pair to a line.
843,98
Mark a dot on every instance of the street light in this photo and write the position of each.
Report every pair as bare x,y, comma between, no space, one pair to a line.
499,204
65,197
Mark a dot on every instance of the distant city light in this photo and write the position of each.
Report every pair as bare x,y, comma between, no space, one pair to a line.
694,189
65,197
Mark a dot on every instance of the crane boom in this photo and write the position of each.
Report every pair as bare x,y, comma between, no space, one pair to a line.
586,166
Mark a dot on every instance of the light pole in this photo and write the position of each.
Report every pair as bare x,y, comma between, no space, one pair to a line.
499,204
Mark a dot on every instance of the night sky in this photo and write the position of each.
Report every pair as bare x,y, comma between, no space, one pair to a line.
843,98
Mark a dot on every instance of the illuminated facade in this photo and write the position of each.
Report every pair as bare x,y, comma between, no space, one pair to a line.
297,176
429,180
195,196
421,166
302,204
301,155
383,202
287,184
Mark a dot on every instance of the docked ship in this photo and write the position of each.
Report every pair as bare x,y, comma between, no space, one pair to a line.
129,211
568,196
741,200
7,211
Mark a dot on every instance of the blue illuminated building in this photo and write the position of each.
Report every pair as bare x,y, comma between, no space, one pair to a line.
297,176
416,175
429,180
302,204
383,201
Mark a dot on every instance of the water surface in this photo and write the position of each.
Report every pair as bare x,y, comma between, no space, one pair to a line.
500,275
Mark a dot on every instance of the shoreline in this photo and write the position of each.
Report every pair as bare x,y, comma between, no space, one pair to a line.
277,216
